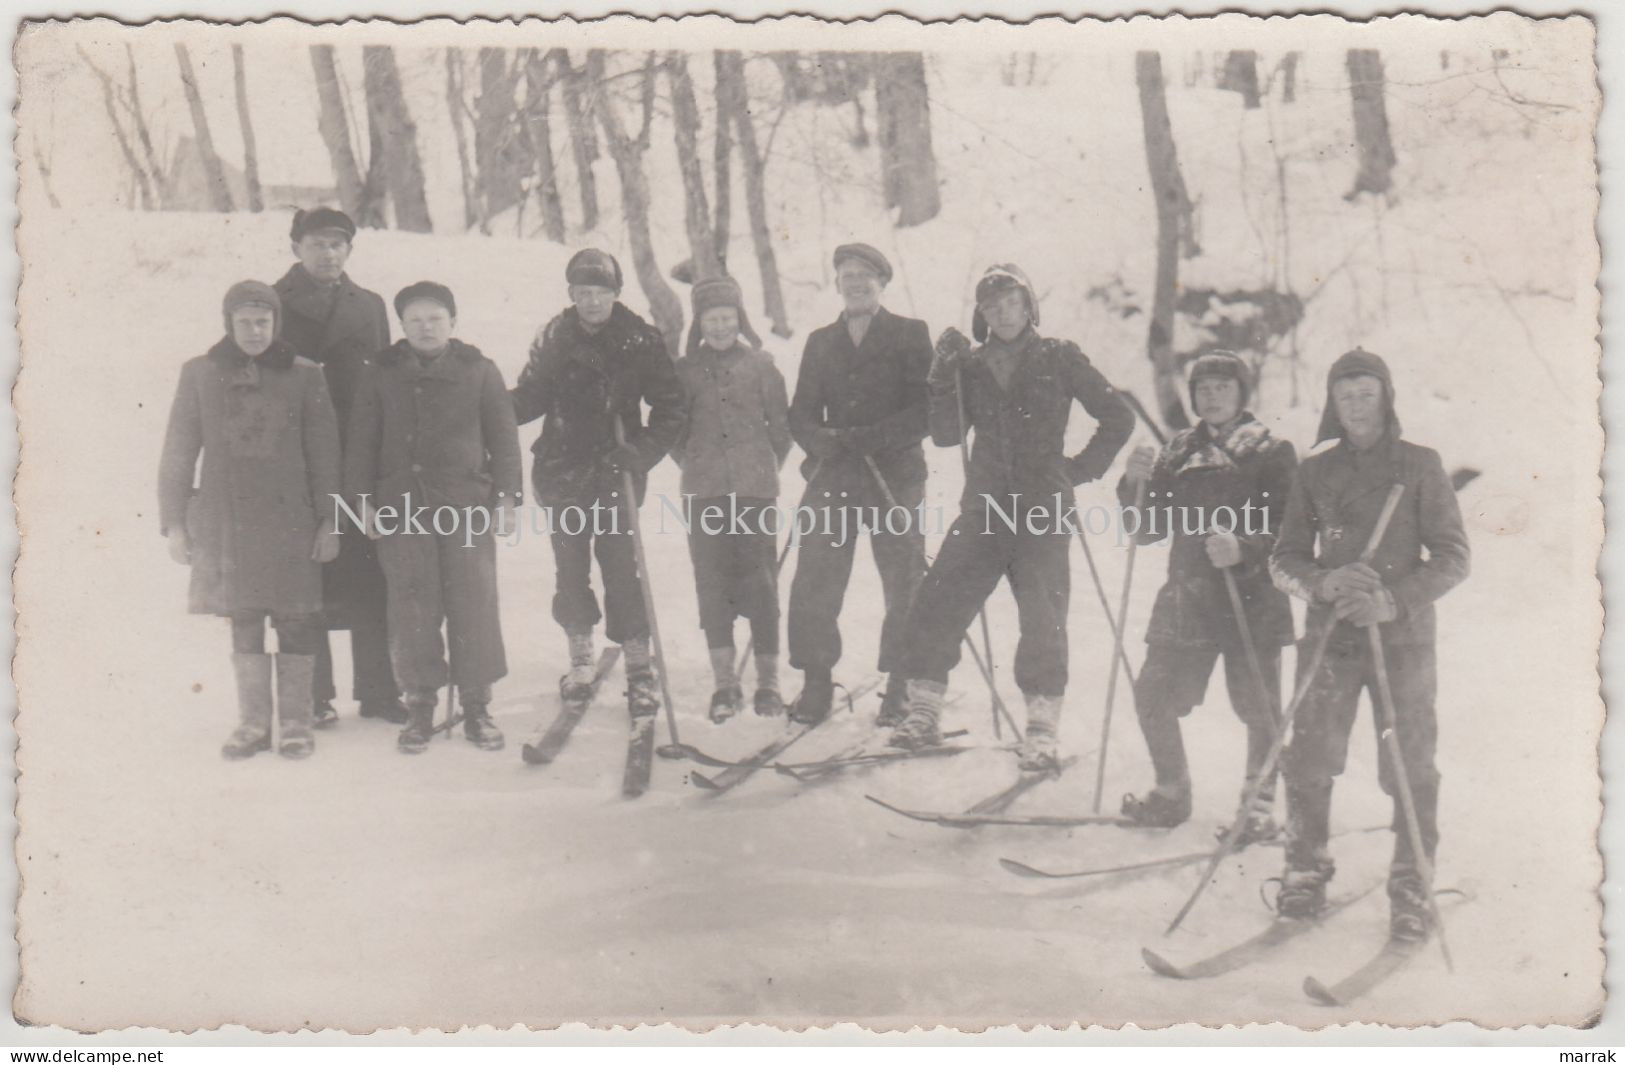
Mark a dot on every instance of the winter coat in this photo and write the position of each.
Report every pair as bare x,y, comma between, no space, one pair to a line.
340,336
1331,512
270,446
442,431
1021,427
577,382
1197,475
737,432
877,388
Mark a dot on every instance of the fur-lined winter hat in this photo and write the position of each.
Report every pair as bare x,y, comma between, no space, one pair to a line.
869,256
1220,363
253,293
1353,364
318,219
719,292
589,266
425,290
997,280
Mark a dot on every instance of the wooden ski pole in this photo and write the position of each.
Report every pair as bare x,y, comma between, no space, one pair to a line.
987,637
1105,604
1251,649
629,487
1117,654
1407,801
1306,679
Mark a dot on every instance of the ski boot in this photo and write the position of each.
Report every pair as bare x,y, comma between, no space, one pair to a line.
726,702
1160,808
253,732
920,728
419,730
894,703
1037,750
817,693
322,714
1410,918
1303,891
1259,826
391,710
479,729
768,702
294,704
642,693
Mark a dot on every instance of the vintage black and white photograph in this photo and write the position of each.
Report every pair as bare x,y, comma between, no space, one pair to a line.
701,522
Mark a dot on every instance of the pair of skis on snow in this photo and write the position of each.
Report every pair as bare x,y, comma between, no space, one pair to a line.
639,745
993,809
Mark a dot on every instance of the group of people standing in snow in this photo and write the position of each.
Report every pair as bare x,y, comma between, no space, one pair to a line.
305,413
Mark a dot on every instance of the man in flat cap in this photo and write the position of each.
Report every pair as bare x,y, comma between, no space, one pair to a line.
339,325
860,413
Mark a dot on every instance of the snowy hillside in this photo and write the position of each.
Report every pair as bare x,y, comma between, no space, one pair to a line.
464,887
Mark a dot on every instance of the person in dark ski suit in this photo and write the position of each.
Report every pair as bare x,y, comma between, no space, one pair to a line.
339,325
1218,490
1330,515
1019,388
737,436
594,365
432,433
859,412
260,522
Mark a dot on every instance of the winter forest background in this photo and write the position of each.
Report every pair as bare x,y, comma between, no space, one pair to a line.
1285,188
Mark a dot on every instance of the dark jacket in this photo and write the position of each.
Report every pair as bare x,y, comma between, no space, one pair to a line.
577,382
443,431
1021,428
270,446
339,335
1196,476
876,389
1332,511
737,432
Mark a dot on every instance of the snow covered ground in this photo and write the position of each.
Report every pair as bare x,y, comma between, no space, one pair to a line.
363,889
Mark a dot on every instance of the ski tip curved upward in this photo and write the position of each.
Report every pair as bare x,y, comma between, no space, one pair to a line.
1319,992
701,781
1020,868
1160,965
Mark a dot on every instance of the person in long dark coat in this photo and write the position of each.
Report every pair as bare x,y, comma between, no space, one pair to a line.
1019,389
1330,515
433,466
258,523
1217,490
331,320
859,412
593,365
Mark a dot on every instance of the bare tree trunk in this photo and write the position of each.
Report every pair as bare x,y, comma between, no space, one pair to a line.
251,158
143,135
219,192
42,163
498,163
754,165
457,108
143,183
539,131
1240,74
578,108
696,211
726,93
908,165
335,128
1370,123
1173,229
395,139
628,152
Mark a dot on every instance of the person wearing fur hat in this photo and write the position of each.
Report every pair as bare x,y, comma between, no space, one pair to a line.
1018,391
432,433
592,366
736,438
859,407
339,325
1226,481
256,524
1330,515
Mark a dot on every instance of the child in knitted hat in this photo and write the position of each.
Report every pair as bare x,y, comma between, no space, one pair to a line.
738,436
257,523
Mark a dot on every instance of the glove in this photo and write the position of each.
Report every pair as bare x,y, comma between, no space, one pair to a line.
953,350
1140,463
1344,581
1078,473
1223,550
180,548
1366,609
622,458
825,443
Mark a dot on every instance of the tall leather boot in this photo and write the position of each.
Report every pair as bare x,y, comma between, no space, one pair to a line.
1308,864
253,732
294,705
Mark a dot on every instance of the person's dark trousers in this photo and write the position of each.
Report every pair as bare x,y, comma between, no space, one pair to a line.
735,569
356,581
824,567
1320,733
575,543
1174,680
295,635
975,554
